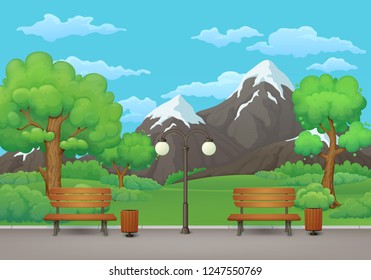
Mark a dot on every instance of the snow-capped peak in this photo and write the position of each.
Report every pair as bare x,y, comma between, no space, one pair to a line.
324,137
177,108
24,155
266,71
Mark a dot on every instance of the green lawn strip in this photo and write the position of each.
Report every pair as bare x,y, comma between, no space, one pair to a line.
210,203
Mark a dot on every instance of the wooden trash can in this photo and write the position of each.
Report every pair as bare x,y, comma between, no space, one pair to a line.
129,222
313,220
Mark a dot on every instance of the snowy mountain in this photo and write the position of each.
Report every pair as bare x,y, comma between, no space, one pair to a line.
259,112
267,71
177,108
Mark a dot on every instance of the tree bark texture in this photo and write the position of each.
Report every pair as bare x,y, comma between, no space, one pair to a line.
333,151
120,175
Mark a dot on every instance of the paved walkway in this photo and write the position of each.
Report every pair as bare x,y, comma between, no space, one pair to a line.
203,244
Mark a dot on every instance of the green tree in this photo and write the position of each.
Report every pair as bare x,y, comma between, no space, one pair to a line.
135,152
334,107
45,104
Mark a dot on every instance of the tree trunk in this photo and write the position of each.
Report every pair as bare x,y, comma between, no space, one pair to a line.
333,151
53,173
121,175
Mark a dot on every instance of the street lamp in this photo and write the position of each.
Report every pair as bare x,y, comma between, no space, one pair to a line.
208,148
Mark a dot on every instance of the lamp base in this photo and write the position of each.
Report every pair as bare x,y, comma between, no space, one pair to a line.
185,230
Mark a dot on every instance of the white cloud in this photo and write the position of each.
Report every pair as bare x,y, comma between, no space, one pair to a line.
85,67
51,28
301,42
332,64
135,109
222,88
214,37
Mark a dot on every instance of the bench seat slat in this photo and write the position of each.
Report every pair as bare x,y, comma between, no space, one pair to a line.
89,197
264,217
264,190
79,204
79,190
260,197
80,217
264,204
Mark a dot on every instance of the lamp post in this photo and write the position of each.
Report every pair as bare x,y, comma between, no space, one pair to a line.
208,148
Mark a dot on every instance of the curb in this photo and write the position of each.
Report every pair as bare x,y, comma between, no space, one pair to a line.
179,227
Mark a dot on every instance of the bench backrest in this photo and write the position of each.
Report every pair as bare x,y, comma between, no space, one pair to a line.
264,197
80,197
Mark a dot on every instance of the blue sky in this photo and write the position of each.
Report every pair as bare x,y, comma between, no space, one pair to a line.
152,50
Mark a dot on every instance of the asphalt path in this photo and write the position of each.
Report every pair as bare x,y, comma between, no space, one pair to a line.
200,244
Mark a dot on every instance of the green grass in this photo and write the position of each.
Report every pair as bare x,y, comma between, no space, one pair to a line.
210,202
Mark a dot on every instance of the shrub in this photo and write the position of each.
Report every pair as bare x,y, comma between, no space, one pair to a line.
132,182
21,204
354,208
272,175
314,196
89,170
21,178
303,180
353,168
129,195
339,179
177,176
299,168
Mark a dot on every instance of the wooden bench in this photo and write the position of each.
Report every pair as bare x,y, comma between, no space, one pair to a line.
264,198
80,198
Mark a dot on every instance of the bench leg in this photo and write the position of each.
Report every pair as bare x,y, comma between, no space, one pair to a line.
286,226
56,228
101,226
105,230
239,227
289,228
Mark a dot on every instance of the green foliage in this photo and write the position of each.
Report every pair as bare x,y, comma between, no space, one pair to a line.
90,170
314,196
299,168
272,175
177,176
38,88
353,168
135,149
339,179
132,182
20,204
20,178
320,98
129,195
358,136
308,144
354,208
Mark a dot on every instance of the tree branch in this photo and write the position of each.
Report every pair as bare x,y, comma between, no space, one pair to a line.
78,131
42,172
30,121
116,169
324,129
339,151
65,117
323,155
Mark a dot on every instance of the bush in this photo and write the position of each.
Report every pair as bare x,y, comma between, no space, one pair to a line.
339,179
21,204
272,175
21,178
132,182
303,180
89,170
354,208
314,196
177,176
299,168
353,168
129,195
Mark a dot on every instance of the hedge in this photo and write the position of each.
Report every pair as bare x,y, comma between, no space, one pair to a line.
132,182
89,170
177,176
